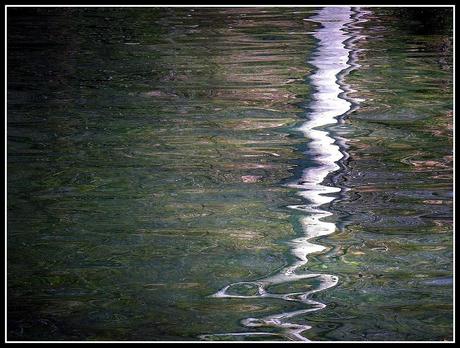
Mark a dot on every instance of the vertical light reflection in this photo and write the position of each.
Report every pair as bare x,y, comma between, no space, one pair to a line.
333,60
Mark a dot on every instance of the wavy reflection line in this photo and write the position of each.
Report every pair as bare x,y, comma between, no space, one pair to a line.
333,60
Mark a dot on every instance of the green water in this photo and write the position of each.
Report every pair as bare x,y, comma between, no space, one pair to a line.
148,151
395,253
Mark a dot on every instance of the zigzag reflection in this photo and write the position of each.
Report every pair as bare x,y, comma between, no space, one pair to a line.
333,60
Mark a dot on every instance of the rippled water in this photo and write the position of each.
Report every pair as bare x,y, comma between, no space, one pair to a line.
294,162
330,60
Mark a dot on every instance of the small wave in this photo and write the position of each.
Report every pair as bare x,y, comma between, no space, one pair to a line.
334,59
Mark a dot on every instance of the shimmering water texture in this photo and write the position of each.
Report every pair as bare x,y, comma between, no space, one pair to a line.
332,61
229,174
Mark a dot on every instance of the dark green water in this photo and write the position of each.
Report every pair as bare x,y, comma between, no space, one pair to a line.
148,156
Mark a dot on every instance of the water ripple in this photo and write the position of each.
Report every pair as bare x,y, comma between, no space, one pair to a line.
333,60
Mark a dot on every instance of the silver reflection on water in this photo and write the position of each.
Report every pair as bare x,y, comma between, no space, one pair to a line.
333,60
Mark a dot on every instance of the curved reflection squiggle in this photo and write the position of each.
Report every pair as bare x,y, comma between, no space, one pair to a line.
333,60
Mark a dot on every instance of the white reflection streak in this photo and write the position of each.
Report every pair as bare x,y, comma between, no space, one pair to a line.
333,60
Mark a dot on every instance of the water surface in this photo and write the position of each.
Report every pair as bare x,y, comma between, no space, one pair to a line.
156,156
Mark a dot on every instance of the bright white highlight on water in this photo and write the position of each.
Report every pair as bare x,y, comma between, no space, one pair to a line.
332,59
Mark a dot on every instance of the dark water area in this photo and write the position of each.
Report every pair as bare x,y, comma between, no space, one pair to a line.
156,156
